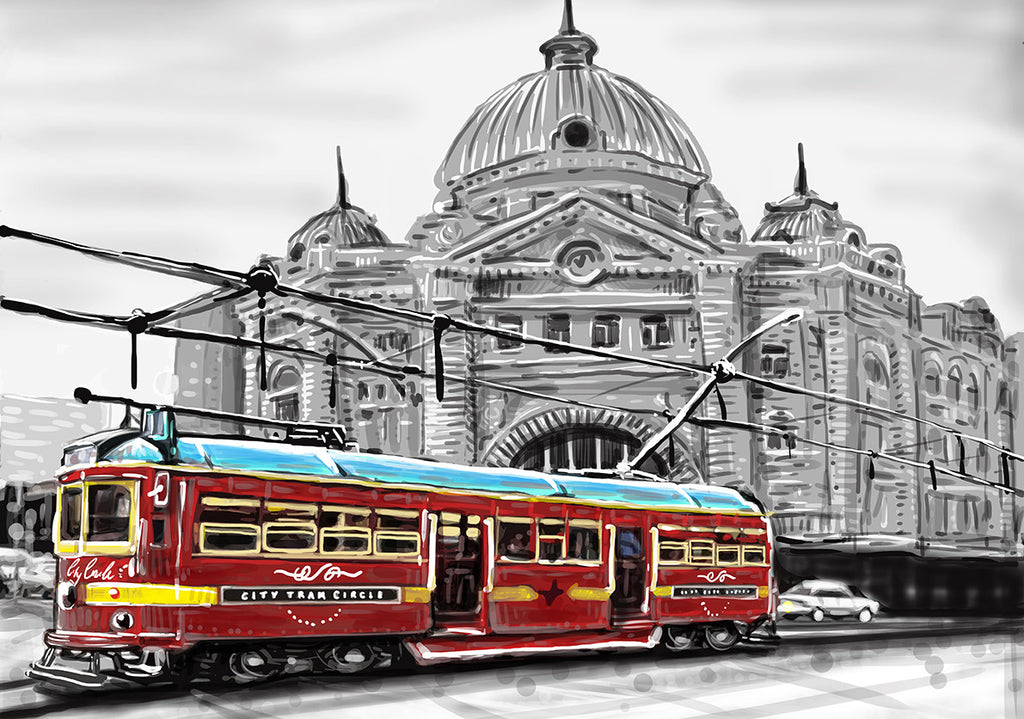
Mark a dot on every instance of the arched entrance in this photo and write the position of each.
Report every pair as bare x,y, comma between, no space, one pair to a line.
583,447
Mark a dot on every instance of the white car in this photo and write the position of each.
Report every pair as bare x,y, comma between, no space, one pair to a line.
817,599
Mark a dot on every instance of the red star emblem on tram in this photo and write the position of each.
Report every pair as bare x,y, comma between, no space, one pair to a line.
550,595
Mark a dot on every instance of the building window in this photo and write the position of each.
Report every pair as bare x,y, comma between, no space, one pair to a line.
932,379
973,396
284,398
654,331
286,407
605,331
510,323
382,391
954,385
363,390
774,361
557,328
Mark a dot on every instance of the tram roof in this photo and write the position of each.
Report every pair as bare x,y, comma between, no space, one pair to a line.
272,457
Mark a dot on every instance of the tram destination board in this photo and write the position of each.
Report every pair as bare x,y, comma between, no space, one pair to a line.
309,595
713,590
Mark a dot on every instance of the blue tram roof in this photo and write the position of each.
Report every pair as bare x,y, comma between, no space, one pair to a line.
262,456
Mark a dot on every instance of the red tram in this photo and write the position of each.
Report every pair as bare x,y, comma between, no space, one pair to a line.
184,556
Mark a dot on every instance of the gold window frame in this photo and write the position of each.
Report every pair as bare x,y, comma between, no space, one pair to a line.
701,544
396,534
290,526
68,546
584,524
760,561
346,532
674,544
112,548
724,548
533,539
241,528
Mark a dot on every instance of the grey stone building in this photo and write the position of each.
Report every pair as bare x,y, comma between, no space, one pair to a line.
575,205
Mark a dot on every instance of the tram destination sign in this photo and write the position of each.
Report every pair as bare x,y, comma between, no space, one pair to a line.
330,594
714,590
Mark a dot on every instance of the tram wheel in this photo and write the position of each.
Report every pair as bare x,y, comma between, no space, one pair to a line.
679,639
818,615
252,665
721,637
348,658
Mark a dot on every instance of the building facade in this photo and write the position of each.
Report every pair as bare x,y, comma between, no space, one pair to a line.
574,205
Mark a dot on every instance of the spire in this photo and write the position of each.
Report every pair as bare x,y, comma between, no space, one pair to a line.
568,26
801,173
342,184
570,46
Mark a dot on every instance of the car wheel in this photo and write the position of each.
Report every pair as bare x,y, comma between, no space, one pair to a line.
865,615
818,615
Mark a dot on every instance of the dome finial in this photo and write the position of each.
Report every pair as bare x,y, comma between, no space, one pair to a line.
801,173
342,183
570,46
568,26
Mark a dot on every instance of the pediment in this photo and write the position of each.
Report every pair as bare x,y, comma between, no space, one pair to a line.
560,233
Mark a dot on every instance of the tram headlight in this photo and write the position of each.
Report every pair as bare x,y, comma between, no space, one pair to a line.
67,595
122,621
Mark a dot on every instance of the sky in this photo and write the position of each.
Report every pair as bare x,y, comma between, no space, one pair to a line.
205,131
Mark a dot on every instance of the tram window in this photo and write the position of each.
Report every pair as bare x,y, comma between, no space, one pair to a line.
702,551
289,537
727,555
289,527
551,540
584,541
229,525
158,525
228,510
397,543
515,539
397,532
71,514
629,543
753,555
352,542
345,531
109,507
672,552
229,538
404,519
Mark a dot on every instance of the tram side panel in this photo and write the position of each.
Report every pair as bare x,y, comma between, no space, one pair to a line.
303,559
710,568
550,569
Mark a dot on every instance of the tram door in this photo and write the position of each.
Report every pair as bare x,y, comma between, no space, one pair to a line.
630,574
459,569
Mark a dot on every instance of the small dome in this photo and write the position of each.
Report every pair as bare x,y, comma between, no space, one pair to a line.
342,226
802,216
570,105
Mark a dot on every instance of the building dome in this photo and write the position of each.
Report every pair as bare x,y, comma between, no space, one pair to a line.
570,105
801,217
342,226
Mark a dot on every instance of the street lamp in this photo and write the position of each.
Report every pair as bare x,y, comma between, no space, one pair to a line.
724,370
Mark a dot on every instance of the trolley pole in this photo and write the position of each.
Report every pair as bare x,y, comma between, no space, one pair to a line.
724,370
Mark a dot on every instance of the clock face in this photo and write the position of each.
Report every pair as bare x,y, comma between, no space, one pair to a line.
583,262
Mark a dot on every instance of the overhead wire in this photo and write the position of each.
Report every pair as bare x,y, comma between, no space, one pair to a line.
243,283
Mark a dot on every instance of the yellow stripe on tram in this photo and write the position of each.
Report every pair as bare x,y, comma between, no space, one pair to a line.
153,594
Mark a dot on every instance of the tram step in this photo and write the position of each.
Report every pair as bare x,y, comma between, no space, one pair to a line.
436,650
